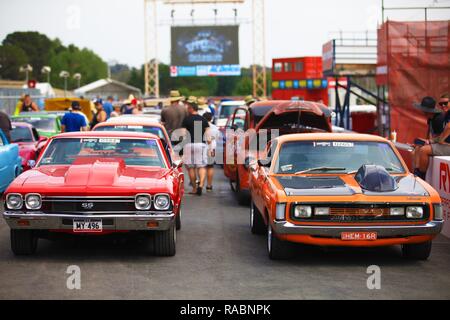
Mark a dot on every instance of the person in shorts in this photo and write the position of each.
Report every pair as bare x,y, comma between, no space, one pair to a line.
212,135
195,151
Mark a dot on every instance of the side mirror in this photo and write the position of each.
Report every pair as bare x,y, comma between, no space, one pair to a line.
42,139
177,164
31,163
234,127
264,163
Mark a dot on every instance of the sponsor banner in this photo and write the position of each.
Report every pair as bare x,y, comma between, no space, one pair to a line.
328,57
205,71
439,177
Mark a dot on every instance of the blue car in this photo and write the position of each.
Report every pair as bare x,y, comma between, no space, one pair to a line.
10,162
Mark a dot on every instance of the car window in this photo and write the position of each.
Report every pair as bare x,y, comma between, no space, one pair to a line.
43,124
21,134
136,152
227,111
345,156
239,119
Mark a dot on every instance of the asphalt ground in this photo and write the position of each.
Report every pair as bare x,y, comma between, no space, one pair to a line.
217,258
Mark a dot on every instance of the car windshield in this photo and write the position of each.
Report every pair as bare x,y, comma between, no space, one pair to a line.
41,124
317,157
134,152
131,128
260,112
226,110
21,134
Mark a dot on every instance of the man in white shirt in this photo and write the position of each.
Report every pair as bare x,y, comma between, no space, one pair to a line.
212,135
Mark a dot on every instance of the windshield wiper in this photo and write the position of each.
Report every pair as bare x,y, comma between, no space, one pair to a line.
322,169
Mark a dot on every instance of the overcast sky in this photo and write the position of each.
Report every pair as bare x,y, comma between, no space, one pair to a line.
115,29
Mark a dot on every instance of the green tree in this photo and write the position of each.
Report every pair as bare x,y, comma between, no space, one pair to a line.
11,59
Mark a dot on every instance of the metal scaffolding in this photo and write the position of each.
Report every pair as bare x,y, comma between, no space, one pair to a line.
151,43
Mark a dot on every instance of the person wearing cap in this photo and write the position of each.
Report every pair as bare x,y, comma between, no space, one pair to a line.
195,155
172,116
100,115
202,106
73,121
249,100
438,142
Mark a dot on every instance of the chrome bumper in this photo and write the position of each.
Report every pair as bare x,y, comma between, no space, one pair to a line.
119,222
388,231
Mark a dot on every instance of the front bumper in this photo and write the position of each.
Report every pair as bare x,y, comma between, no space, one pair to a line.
387,231
111,222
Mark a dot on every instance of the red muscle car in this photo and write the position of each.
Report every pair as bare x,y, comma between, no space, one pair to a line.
29,141
98,183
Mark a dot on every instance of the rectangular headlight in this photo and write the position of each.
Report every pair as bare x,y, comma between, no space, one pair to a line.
280,213
400,211
321,211
303,211
143,201
33,201
438,213
414,212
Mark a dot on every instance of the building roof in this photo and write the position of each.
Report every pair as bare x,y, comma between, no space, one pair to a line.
103,82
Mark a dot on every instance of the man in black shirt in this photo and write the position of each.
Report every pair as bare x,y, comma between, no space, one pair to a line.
195,151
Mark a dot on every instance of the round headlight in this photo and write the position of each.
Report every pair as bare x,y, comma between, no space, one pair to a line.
143,202
33,201
414,212
162,202
14,201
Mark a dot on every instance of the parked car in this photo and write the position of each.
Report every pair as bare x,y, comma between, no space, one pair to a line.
341,190
10,162
47,125
226,110
97,183
286,117
29,141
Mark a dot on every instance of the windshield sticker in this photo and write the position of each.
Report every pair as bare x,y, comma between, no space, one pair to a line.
47,160
287,167
151,143
89,140
336,144
135,127
109,140
343,144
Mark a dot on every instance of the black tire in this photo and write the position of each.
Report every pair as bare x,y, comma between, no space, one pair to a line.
257,224
178,219
419,251
23,242
164,242
277,249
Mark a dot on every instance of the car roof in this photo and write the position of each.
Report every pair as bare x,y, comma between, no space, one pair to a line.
35,115
315,107
22,124
232,103
131,121
107,134
330,137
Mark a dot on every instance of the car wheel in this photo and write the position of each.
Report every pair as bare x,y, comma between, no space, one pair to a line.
23,242
164,242
277,249
178,219
419,251
257,225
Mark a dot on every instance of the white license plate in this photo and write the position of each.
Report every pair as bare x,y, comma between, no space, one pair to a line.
87,226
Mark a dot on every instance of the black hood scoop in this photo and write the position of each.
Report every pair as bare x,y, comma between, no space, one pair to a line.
311,186
375,179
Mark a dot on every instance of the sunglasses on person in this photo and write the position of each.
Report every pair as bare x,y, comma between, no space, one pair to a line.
443,104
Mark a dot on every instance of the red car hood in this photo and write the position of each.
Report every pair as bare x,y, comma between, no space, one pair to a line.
94,177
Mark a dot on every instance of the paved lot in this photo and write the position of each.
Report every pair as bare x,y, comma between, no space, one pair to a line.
218,258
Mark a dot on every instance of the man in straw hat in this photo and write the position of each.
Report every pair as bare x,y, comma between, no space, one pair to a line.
437,142
249,100
195,151
172,116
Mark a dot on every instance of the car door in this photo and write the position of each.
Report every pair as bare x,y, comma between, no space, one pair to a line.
8,160
235,142
260,179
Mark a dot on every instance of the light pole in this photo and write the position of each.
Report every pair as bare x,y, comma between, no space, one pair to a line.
77,76
65,75
27,69
46,70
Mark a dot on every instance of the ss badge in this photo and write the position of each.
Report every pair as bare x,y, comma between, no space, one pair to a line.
87,205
